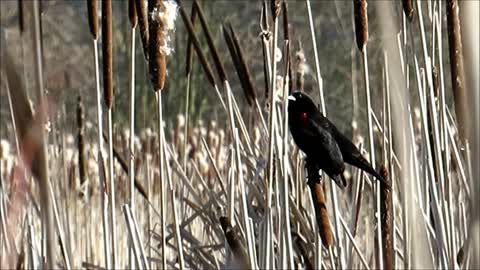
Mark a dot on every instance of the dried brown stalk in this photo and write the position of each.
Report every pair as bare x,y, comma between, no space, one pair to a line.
387,222
141,10
157,58
286,36
408,9
132,13
107,52
361,23
456,66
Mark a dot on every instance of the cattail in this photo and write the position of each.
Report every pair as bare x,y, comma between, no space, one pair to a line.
193,17
161,20
213,49
132,13
408,9
319,203
456,65
157,60
238,249
275,8
386,209
107,52
141,10
81,141
198,49
361,23
240,64
21,18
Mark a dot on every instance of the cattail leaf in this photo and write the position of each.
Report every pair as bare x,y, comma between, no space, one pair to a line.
92,16
361,23
196,43
211,45
107,52
193,17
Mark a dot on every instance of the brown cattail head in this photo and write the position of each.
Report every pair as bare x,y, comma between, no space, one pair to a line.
157,60
361,23
386,210
107,52
92,17
21,19
275,8
286,34
141,10
132,13
320,204
81,141
193,17
408,9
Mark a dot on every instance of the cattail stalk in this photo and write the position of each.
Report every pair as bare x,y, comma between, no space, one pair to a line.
269,251
108,97
315,52
333,189
457,66
157,41
42,162
387,222
361,33
132,15
93,23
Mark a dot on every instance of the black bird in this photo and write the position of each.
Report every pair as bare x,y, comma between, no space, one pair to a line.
321,141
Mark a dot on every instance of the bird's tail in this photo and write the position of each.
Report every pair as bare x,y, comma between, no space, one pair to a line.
363,164
340,180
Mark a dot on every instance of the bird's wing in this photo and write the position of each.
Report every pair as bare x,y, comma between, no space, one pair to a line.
352,155
327,141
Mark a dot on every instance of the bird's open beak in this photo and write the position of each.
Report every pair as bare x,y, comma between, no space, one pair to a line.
292,98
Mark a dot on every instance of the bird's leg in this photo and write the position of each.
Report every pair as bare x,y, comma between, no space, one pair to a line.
313,174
